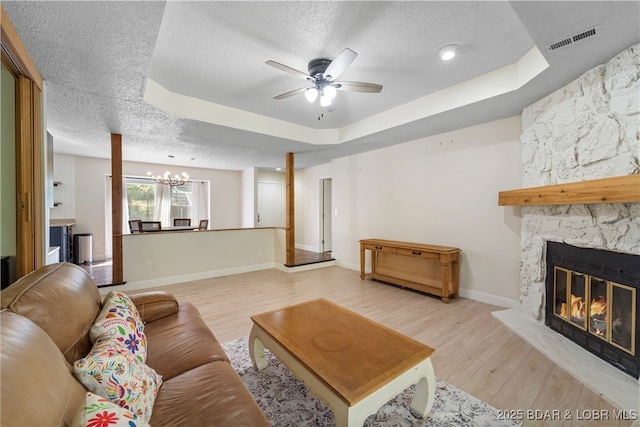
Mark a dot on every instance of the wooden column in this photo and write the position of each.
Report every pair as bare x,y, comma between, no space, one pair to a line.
290,214
116,206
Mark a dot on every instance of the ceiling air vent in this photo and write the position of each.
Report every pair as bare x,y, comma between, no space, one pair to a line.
573,39
559,44
584,35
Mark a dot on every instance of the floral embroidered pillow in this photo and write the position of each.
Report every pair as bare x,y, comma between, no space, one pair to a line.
99,412
110,370
119,319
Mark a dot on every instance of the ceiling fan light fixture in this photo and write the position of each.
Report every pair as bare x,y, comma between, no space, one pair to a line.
448,52
325,101
311,94
330,92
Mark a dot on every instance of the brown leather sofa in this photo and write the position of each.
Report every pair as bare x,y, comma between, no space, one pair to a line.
45,322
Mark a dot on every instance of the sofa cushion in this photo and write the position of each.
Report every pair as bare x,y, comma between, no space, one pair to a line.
98,412
119,319
113,372
154,305
62,300
210,395
181,342
37,388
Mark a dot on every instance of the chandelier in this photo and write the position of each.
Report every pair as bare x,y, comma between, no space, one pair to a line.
167,179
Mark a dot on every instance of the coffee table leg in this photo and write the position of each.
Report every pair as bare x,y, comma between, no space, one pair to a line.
256,350
425,391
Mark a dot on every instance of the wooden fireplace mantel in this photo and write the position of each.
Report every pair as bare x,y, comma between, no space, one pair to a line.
619,189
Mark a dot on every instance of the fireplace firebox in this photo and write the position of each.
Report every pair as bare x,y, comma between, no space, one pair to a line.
593,298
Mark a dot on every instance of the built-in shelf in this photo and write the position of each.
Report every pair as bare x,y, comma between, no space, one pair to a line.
619,189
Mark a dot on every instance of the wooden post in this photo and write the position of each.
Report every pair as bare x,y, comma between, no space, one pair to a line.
290,215
116,207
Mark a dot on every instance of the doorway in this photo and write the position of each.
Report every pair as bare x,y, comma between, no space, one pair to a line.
325,215
270,204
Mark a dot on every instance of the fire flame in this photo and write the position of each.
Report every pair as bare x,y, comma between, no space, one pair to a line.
597,309
598,306
577,308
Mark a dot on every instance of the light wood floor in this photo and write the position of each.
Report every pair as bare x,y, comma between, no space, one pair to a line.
474,351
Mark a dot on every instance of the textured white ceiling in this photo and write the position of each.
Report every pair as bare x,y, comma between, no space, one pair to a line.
97,57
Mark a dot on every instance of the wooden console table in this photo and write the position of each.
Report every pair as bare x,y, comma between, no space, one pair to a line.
427,268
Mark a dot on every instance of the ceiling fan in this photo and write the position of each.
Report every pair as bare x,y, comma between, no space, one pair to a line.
322,76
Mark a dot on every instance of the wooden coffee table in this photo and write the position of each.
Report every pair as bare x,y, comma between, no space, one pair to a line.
353,364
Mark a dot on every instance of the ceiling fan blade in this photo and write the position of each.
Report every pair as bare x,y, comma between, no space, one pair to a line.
359,87
289,70
290,93
340,64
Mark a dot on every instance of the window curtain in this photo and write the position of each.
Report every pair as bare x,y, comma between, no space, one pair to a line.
200,203
162,211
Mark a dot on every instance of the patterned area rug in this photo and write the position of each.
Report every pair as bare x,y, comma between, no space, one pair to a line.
287,402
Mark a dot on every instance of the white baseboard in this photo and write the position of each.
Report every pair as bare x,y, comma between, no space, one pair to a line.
348,265
489,298
144,284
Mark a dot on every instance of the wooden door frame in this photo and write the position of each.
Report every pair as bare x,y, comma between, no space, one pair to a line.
30,215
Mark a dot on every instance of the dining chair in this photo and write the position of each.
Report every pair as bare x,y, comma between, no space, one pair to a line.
178,222
204,223
135,226
151,226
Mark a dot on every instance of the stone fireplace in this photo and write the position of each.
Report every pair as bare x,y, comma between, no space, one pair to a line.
585,132
588,130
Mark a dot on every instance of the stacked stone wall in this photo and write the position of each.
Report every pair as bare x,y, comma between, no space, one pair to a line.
589,129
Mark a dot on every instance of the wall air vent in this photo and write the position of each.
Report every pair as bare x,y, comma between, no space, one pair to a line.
573,39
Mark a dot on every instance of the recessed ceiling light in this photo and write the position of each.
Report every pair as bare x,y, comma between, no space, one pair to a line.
448,52
278,169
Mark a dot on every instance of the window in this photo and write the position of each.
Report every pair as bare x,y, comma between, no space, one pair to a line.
141,196
181,201
144,201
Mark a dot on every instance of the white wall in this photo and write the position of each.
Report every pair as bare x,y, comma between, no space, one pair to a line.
249,197
307,205
439,190
64,171
156,259
86,203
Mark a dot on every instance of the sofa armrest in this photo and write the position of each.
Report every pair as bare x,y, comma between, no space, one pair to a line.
154,305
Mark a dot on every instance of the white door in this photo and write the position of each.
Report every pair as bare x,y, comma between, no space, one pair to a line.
325,215
270,205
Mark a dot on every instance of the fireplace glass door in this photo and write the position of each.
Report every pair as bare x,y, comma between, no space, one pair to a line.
606,309
623,317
